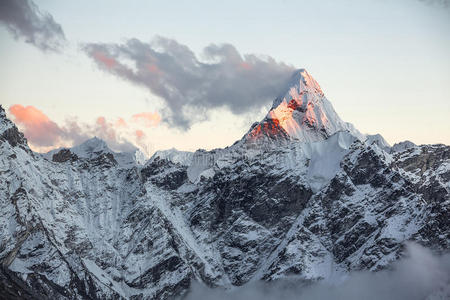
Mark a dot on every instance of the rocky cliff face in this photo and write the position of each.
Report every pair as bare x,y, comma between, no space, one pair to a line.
313,203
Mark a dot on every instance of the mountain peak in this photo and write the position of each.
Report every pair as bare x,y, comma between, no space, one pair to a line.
304,81
5,123
10,133
91,147
302,112
96,147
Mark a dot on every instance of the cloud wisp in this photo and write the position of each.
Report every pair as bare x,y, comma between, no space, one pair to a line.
25,21
149,119
191,86
43,134
442,3
421,275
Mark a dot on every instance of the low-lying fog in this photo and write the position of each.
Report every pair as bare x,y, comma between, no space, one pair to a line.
420,275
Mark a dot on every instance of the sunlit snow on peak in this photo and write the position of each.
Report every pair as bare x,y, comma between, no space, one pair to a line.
303,112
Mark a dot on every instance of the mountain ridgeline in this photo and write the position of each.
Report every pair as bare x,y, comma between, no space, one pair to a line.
302,195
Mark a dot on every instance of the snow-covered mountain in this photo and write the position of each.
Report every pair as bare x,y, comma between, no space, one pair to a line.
302,113
93,148
302,195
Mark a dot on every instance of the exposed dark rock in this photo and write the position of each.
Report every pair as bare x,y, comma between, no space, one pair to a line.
64,155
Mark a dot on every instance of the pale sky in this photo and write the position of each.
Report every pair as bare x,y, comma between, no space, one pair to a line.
384,65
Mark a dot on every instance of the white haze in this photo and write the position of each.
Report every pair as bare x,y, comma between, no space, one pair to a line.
420,275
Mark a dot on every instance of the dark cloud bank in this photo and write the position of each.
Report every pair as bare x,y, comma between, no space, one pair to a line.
191,86
25,21
421,275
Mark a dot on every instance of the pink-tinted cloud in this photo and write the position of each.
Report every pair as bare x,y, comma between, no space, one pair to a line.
111,134
245,66
149,119
37,127
102,58
139,134
153,69
121,123
106,129
43,134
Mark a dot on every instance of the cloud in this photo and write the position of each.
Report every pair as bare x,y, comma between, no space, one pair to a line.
25,21
108,132
139,134
418,276
104,60
121,123
443,3
37,126
149,119
43,134
189,86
